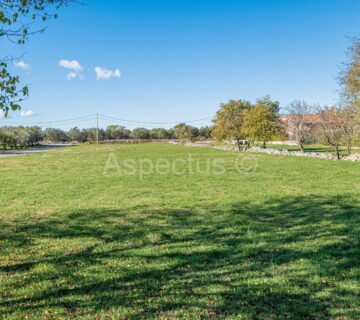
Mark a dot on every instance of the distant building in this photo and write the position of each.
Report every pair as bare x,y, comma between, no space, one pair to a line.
312,121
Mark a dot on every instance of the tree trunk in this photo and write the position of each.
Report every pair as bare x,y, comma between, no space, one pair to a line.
302,147
337,153
264,144
349,146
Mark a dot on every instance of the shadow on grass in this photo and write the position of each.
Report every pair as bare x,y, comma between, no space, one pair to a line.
281,259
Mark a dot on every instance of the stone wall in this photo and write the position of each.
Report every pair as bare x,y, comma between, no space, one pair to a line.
321,155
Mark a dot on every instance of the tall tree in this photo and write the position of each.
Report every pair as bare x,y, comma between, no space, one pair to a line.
350,75
17,22
228,122
261,122
350,85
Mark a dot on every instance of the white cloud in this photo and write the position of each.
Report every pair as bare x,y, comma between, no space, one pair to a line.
2,114
76,68
22,65
71,75
72,65
104,74
27,113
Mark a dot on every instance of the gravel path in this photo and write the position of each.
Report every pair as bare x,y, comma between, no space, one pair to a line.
13,153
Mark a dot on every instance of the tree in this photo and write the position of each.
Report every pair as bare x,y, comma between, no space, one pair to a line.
159,133
350,85
84,135
115,132
298,121
22,137
7,137
228,123
140,133
272,106
36,135
91,134
74,134
350,75
205,132
261,122
332,121
350,125
184,132
11,95
55,135
17,18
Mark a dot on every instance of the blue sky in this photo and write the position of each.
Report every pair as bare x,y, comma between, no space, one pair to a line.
179,59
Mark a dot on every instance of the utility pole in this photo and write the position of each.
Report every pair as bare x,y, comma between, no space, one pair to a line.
97,129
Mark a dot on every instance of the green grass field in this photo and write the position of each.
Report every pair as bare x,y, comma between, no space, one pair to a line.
280,241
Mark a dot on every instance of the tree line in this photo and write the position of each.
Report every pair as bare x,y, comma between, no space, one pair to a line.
21,137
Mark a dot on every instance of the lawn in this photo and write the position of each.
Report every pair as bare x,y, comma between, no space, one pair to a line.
79,239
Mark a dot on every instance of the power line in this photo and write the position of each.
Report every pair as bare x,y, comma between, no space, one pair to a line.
103,117
156,123
127,124
65,121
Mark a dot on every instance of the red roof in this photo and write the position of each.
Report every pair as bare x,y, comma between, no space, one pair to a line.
310,118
